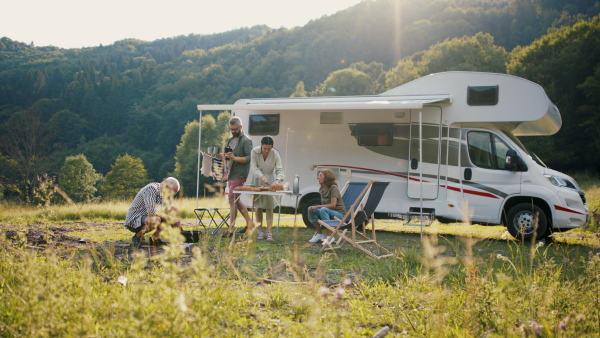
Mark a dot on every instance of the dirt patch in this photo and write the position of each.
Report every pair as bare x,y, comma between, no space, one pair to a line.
42,237
58,237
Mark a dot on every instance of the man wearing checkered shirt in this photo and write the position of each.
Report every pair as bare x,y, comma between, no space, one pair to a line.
150,208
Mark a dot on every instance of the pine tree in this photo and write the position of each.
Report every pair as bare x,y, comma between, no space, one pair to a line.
126,177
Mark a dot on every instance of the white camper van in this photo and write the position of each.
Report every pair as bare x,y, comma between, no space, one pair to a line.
446,142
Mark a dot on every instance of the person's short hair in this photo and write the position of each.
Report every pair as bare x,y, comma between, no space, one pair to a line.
267,140
235,121
171,183
329,176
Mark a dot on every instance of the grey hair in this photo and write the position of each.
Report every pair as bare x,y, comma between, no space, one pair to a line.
171,183
235,121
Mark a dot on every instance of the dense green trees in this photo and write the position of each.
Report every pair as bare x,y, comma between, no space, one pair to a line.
78,179
136,97
476,53
566,63
126,177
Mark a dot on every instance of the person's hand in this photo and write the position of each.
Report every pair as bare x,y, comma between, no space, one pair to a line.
274,185
264,179
229,155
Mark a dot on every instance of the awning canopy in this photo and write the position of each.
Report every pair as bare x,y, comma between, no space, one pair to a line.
331,103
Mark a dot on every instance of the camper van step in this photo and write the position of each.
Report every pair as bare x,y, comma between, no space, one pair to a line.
420,218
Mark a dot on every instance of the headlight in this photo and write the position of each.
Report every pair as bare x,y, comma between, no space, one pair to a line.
557,181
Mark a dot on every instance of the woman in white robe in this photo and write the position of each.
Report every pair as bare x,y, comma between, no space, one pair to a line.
266,169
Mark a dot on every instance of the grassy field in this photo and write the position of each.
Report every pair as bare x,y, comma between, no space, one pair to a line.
457,280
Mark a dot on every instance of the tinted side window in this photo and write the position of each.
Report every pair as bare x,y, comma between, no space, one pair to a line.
374,134
264,124
487,150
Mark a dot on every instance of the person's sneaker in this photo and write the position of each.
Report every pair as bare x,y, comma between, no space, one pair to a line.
158,242
269,236
137,242
261,235
316,238
329,240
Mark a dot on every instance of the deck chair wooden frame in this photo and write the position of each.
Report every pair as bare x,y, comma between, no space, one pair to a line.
358,238
351,191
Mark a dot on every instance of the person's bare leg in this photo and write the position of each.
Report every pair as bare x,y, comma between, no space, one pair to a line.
259,219
244,211
269,219
318,227
232,215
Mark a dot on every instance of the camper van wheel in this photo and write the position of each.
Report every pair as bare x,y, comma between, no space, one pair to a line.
311,201
527,222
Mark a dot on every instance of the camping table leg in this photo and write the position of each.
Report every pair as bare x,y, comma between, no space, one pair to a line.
212,212
277,196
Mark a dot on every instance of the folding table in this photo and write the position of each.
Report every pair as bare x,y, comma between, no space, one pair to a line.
277,195
215,216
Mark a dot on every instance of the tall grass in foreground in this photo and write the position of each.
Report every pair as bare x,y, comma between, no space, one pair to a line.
100,211
216,291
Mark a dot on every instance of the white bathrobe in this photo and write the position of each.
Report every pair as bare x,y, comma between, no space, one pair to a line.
271,167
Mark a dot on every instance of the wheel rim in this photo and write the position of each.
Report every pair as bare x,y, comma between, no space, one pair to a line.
525,222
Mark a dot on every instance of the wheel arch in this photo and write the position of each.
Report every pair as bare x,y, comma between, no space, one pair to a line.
541,203
302,205
306,198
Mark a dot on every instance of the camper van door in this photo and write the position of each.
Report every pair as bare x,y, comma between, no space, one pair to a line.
425,132
486,181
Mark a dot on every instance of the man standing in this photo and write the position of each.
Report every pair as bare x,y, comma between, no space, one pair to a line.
237,166
151,207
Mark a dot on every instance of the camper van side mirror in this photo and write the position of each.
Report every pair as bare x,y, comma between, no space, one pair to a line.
514,161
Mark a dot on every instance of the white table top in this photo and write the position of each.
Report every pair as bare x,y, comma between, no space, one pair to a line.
271,193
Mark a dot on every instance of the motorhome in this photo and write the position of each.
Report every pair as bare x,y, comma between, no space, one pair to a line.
447,142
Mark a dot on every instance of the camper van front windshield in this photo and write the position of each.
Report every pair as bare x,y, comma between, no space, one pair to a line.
522,146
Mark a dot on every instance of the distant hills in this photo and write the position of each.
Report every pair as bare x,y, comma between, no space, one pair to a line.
136,97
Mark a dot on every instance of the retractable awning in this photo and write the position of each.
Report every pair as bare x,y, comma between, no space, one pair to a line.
331,103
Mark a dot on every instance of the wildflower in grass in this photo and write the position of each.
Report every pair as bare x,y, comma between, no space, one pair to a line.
535,327
339,293
347,282
323,291
562,326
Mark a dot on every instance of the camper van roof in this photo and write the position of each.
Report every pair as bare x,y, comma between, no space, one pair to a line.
521,106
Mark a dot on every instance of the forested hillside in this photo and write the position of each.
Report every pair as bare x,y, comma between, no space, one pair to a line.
136,97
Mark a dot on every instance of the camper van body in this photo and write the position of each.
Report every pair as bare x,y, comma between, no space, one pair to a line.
446,142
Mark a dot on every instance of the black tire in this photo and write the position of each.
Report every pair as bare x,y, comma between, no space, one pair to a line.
527,222
310,202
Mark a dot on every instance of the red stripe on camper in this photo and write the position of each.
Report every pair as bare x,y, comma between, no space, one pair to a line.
558,207
472,192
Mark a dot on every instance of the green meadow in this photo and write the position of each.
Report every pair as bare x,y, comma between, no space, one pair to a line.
81,278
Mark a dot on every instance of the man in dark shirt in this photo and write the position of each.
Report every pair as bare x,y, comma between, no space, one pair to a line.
237,166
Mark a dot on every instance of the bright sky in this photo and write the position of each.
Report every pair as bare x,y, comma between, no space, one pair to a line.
85,23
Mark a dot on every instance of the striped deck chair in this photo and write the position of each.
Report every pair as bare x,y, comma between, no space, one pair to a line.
351,193
357,218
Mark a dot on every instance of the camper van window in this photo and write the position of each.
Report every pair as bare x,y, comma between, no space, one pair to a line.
264,124
482,95
487,150
373,134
